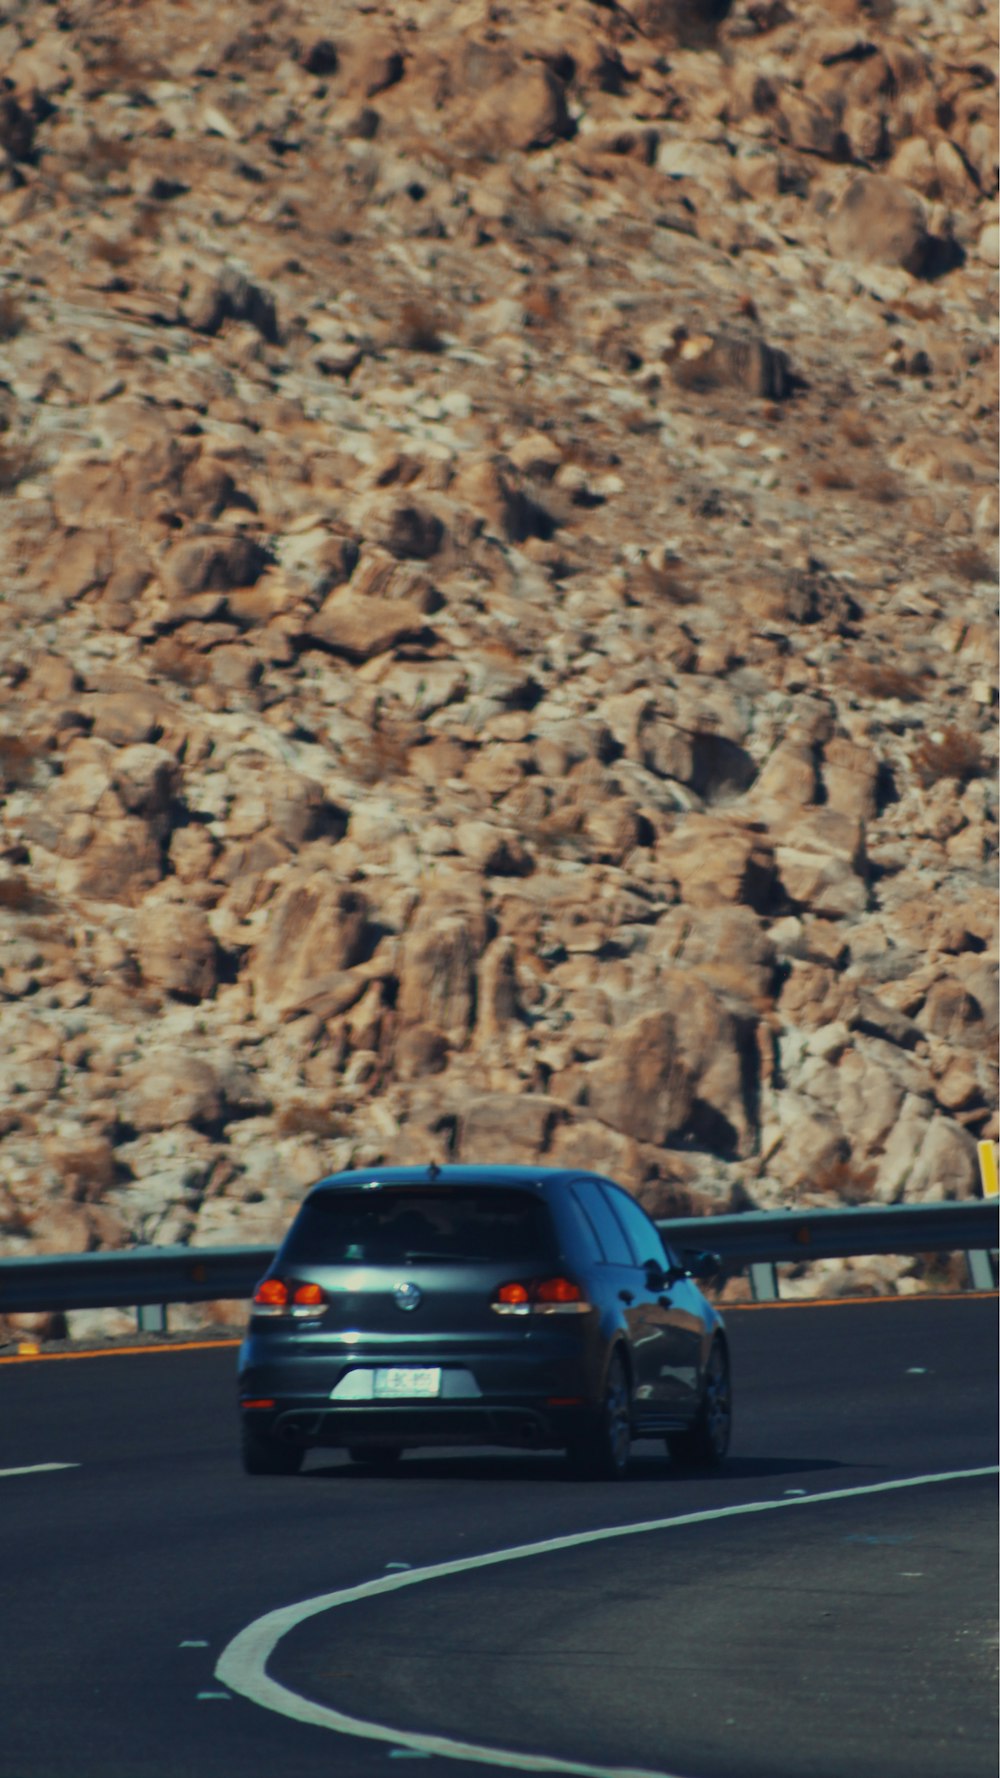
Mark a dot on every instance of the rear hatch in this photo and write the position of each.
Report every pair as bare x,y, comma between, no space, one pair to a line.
417,1263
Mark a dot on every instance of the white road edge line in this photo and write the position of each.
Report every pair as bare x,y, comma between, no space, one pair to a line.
38,1468
242,1666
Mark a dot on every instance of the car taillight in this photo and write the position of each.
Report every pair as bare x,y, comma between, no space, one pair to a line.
271,1297
308,1299
559,1296
512,1299
540,1296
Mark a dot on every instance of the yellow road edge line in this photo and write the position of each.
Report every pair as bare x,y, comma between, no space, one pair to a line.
117,1351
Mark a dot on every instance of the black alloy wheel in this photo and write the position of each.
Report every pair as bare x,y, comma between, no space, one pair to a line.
263,1455
603,1452
383,1458
706,1441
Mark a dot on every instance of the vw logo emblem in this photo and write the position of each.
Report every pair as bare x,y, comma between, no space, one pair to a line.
407,1295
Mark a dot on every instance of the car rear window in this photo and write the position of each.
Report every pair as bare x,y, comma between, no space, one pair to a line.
386,1224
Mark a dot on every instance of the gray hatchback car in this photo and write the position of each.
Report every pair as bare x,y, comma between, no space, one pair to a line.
464,1305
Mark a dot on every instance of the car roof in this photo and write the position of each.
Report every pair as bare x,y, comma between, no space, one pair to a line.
538,1178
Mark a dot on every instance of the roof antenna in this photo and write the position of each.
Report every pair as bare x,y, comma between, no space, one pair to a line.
433,1171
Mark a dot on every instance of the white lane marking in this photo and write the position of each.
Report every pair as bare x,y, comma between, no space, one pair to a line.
242,1666
38,1468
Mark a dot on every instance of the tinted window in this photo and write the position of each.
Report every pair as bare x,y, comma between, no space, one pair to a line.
588,1196
391,1224
585,1237
643,1238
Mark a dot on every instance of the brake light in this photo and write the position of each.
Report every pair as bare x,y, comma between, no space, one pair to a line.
512,1293
309,1299
559,1290
540,1296
511,1299
271,1296
309,1293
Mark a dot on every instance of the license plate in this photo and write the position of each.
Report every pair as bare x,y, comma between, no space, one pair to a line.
398,1383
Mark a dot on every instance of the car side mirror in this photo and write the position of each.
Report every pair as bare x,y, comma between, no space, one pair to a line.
656,1277
701,1266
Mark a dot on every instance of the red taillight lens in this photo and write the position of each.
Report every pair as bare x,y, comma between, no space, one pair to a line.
512,1293
558,1290
272,1294
309,1296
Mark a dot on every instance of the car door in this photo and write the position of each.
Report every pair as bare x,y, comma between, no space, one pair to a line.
672,1327
626,1285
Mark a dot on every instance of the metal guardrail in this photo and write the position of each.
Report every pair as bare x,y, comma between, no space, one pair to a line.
148,1278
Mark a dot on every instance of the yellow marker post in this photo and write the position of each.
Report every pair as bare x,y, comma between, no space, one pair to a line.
988,1169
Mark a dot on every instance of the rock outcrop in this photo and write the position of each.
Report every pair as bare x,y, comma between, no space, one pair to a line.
499,651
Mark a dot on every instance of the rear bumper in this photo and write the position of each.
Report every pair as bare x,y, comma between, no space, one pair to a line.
529,1397
525,1425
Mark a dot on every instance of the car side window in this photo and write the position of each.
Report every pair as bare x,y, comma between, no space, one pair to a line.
643,1237
585,1236
609,1232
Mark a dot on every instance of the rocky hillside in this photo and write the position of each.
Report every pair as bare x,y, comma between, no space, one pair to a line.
497,643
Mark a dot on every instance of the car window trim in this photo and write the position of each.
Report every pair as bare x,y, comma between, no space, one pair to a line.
611,1191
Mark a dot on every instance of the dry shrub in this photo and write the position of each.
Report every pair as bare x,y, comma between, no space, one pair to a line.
115,67
19,461
302,1118
541,305
419,328
881,679
834,476
19,756
15,1218
105,156
113,253
881,486
19,896
971,565
667,581
856,430
841,1178
954,754
11,316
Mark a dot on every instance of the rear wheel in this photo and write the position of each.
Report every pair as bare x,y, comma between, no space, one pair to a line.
603,1451
381,1457
706,1441
263,1455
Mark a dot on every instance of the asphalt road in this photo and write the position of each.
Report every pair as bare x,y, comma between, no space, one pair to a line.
817,1638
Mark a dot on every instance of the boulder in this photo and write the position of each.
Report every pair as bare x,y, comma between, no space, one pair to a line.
524,111
642,1087
437,980
518,1126
351,623
176,950
314,927
881,221
167,1089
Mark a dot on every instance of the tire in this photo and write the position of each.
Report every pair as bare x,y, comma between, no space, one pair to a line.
603,1451
263,1455
382,1458
706,1441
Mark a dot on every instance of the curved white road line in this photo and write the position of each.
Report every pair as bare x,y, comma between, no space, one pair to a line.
242,1666
37,1468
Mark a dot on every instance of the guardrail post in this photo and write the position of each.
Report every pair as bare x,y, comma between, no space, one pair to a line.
151,1317
980,1269
764,1281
